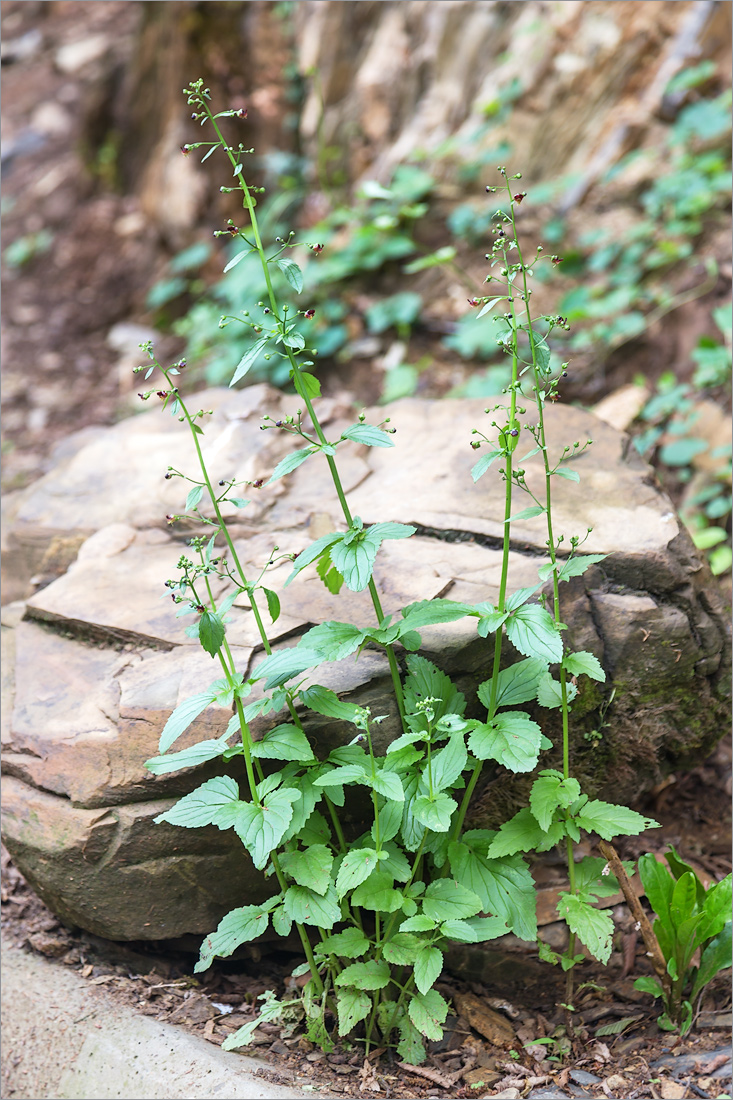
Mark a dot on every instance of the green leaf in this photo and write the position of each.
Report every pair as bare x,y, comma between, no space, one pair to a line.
504,886
532,630
403,949
384,531
609,821
447,765
353,1005
387,783
516,684
428,1012
418,923
658,884
410,1048
522,833
311,553
329,574
311,867
357,866
183,716
326,702
273,604
373,974
307,907
715,957
435,813
194,496
683,902
188,758
290,463
237,927
368,435
261,828
716,908
483,464
355,562
248,359
236,259
584,664
649,985
284,742
577,566
549,691
569,475
446,899
527,513
211,632
282,923
593,927
207,805
512,738
333,640
280,667
427,968
349,944
548,793
491,928
378,894
336,777
427,612
292,273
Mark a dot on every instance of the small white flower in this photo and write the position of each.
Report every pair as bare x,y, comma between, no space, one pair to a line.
606,870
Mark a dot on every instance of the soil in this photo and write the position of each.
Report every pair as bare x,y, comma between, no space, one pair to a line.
60,375
635,1060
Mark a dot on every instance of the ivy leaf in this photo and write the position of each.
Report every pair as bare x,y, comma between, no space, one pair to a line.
427,968
188,758
211,632
368,435
310,867
349,944
446,899
516,684
289,463
353,1005
608,821
248,359
307,907
237,927
373,974
292,273
333,640
435,813
428,1012
204,806
584,664
593,927
512,738
548,793
284,742
357,866
183,716
531,629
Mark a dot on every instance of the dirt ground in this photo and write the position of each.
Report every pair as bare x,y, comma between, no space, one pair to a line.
59,375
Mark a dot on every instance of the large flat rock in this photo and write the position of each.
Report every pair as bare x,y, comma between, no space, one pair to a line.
101,659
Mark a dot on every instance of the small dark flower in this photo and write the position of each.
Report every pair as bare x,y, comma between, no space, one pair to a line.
521,195
162,393
557,260
317,248
185,149
473,301
309,314
258,483
242,112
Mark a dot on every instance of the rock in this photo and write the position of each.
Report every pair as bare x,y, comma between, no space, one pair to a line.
485,1020
77,55
101,661
582,1077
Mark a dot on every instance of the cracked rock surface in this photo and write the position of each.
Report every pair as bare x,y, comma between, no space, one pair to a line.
95,661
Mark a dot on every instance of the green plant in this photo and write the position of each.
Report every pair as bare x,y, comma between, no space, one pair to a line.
26,248
693,930
384,905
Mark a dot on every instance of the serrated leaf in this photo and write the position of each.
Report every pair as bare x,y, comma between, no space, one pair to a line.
608,821
183,716
307,907
403,949
410,1048
378,894
512,738
292,273
280,667
311,553
310,867
211,632
504,885
428,612
550,792
446,899
584,664
435,813
522,833
418,923
373,974
353,1005
284,742
388,784
357,866
446,766
248,359
187,758
346,773
368,435
326,702
516,684
349,944
334,640
194,496
593,927
289,463
549,691
206,805
427,968
532,630
577,566
428,1012
355,562
237,927
329,574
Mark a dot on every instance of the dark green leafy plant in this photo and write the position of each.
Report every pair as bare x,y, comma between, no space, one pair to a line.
376,912
693,929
